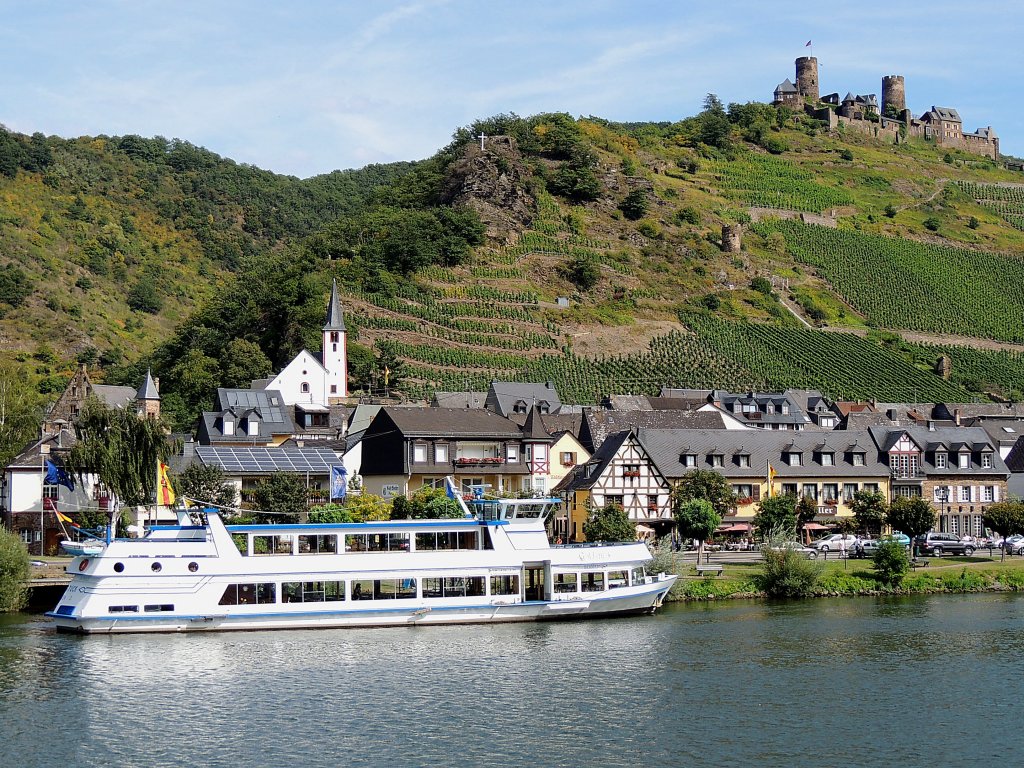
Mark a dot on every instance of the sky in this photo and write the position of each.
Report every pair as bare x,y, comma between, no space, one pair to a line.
307,87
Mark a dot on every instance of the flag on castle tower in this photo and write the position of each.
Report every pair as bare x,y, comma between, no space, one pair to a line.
807,44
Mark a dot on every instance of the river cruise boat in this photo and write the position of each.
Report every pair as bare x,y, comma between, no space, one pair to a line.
494,565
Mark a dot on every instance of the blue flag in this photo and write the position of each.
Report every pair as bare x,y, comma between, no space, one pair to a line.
57,476
339,483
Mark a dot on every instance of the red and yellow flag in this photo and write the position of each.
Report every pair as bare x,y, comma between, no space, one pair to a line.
62,517
164,494
771,479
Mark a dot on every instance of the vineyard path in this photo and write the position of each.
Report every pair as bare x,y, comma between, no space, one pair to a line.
942,185
786,303
941,339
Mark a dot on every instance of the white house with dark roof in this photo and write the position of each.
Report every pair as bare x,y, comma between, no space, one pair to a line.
317,380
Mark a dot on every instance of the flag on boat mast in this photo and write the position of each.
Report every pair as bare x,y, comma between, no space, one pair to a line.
165,493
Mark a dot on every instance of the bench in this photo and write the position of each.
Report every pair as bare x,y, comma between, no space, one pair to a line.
702,570
915,564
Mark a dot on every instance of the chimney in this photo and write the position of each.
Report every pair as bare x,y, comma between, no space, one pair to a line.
931,425
956,417
156,383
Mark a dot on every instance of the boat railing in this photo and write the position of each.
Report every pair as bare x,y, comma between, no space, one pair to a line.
584,544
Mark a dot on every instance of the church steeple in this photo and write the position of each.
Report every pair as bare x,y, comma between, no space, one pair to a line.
335,358
335,314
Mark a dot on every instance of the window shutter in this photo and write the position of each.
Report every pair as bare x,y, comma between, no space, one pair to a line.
757,493
995,493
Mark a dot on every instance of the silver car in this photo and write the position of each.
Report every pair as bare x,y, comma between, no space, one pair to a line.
835,542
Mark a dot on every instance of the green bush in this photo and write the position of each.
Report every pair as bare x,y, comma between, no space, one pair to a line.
786,572
711,301
846,155
890,211
891,562
687,215
635,205
932,224
14,570
649,229
845,583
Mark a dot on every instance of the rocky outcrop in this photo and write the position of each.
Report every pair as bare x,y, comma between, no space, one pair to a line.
493,182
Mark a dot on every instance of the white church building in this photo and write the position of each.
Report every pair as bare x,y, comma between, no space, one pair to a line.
311,381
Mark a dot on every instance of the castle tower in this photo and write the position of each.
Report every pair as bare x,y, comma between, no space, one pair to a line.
335,357
732,238
807,78
147,399
893,93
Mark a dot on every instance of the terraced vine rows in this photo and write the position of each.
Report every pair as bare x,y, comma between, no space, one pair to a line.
903,284
770,182
1007,201
996,371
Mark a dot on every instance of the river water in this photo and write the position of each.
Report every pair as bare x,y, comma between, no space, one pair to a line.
918,681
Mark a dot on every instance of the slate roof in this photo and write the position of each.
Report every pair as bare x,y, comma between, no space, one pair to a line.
667,446
114,396
458,399
583,476
506,397
266,405
945,113
534,428
786,86
148,390
600,423
452,422
974,439
335,313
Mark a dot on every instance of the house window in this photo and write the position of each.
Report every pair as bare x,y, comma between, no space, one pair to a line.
334,337
419,453
613,499
810,491
51,491
334,389
717,460
441,454
849,491
828,459
631,470
830,492
789,489
511,453
872,487
988,493
743,491
688,459
940,459
304,387
743,459
858,459
965,493
229,427
965,460
794,459
907,491
986,460
568,459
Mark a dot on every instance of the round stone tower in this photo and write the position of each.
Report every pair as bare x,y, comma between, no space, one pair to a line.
732,238
894,92
807,78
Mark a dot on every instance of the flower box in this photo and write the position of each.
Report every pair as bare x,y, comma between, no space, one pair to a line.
631,474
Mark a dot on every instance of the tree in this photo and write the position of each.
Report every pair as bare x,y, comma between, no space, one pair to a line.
609,523
15,285
281,494
913,516
1005,518
806,510
426,504
708,485
242,362
696,519
869,510
143,297
891,562
205,483
365,507
330,513
14,571
776,514
583,271
122,449
635,205
20,410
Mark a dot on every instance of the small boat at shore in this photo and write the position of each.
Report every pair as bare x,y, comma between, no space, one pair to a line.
82,548
494,565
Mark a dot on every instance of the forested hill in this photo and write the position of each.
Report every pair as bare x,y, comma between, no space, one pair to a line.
127,252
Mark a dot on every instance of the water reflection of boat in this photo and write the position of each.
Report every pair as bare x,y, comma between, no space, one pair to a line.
495,565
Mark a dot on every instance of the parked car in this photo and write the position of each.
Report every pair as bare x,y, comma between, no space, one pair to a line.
901,537
794,546
1014,544
943,543
835,542
868,547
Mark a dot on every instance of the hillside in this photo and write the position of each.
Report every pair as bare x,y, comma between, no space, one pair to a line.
159,253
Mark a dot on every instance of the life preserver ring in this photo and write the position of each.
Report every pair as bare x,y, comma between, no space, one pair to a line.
84,564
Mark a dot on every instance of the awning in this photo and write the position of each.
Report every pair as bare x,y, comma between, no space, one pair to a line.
816,527
641,528
735,528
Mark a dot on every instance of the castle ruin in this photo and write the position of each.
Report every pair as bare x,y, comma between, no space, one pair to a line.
893,122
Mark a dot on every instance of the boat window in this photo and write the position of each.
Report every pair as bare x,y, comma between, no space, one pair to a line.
504,585
638,575
319,544
447,540
593,582
162,608
617,579
193,567
156,567
118,567
383,589
312,591
566,582
272,545
377,542
123,609
241,542
454,586
249,594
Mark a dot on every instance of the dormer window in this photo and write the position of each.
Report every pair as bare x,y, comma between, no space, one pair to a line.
253,426
986,460
544,407
794,458
857,458
770,408
519,407
828,459
743,459
785,409
717,459
228,426
940,459
688,459
965,460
